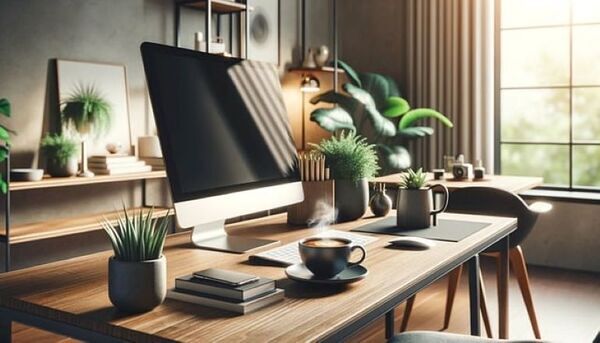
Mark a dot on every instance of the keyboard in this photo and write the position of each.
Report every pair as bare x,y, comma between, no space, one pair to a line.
288,254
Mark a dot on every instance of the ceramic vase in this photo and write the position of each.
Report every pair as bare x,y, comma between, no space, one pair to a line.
322,55
351,199
380,203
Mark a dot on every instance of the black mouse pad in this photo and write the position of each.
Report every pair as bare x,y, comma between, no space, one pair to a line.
446,229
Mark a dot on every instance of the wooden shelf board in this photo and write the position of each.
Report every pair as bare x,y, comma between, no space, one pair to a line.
315,70
49,182
218,6
67,226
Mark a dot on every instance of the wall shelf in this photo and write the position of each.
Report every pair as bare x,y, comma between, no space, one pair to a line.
68,226
218,6
313,70
49,182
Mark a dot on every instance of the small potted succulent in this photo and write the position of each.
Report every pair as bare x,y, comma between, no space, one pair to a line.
86,111
137,273
352,162
61,154
414,203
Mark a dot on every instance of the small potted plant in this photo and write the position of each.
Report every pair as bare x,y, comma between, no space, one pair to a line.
414,203
352,161
137,273
61,154
87,111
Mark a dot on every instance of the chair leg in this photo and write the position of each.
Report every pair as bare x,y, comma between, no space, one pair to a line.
517,261
483,307
407,310
453,281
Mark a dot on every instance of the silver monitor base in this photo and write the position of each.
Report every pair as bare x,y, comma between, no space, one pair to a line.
212,236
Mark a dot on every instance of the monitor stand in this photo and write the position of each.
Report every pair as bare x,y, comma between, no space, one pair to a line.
212,236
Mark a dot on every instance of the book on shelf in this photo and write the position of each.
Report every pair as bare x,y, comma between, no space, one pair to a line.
239,293
112,159
119,171
104,165
241,307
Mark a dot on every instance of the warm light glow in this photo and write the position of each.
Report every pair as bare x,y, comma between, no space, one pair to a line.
310,84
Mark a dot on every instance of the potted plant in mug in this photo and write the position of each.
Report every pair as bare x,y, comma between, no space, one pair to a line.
61,152
414,203
352,161
87,111
137,273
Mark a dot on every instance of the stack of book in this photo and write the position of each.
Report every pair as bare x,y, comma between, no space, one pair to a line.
157,163
240,299
116,164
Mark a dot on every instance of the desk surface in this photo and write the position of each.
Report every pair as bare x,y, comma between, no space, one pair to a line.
75,291
515,184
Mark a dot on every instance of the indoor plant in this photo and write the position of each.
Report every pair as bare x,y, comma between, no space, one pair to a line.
137,273
371,106
86,111
5,140
352,161
414,203
61,152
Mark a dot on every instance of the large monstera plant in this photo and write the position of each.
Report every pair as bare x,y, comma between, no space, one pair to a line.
372,107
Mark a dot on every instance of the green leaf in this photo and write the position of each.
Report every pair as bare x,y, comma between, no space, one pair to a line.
421,113
396,157
351,74
392,86
3,154
5,107
416,131
351,105
4,135
378,88
382,125
333,119
396,106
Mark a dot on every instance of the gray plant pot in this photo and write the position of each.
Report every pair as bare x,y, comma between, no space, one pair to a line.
57,170
135,287
351,199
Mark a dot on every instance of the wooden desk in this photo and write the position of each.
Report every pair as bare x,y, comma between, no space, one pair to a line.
515,184
70,297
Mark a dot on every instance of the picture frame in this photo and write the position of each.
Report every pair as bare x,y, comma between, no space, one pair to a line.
110,79
264,31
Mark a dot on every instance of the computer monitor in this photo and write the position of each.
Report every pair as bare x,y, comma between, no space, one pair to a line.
225,138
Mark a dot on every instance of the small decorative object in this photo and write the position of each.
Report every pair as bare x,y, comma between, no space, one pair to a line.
86,110
114,148
26,174
479,171
414,204
380,203
263,42
199,41
352,161
448,163
322,55
438,174
61,154
149,146
462,170
310,84
137,274
309,59
5,140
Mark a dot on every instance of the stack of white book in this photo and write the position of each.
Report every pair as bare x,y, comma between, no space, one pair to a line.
117,164
157,163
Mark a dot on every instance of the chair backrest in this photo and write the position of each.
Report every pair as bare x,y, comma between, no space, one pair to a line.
494,202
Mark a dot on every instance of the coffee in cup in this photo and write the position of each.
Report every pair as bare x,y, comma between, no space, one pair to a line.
326,257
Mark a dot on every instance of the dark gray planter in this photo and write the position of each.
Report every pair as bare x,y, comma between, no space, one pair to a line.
135,287
351,199
57,170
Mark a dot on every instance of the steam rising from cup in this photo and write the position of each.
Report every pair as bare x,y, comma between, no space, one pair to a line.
323,215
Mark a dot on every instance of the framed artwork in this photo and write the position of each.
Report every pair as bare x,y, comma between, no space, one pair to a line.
110,81
264,31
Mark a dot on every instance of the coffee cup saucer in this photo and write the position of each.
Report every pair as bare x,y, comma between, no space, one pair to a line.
299,272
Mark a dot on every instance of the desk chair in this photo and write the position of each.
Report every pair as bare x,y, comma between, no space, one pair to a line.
495,202
444,337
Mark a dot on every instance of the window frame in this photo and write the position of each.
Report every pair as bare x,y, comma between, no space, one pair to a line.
498,142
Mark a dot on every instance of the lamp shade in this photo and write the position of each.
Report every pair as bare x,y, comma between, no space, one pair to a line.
310,84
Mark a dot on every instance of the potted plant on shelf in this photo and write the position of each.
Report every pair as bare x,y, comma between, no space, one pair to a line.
137,273
352,161
414,203
87,111
61,153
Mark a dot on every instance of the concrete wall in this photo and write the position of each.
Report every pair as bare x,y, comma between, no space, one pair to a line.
33,32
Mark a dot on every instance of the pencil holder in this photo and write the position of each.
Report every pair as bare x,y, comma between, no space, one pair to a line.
318,204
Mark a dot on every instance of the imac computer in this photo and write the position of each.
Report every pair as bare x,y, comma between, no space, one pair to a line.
225,138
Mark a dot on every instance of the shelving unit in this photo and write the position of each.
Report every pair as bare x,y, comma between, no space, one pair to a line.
54,228
220,8
312,70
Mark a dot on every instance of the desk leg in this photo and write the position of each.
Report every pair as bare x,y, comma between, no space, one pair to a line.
389,325
503,271
5,330
474,295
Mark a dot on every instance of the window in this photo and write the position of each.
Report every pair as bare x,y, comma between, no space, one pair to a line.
549,91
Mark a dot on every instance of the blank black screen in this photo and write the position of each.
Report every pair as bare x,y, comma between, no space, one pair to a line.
221,121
